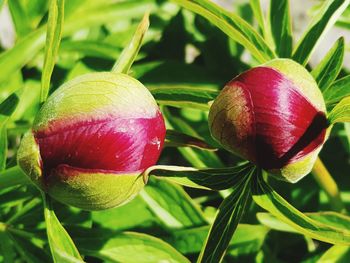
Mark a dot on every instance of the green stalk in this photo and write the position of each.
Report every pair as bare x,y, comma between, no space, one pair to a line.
12,177
327,184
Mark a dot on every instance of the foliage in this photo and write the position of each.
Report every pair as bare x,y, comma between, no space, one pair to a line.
201,202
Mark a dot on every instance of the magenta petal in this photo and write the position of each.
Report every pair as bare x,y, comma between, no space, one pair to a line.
120,145
288,126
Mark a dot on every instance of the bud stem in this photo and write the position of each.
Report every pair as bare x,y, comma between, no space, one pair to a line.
327,183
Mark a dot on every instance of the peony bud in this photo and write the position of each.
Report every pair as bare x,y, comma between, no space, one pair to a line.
92,140
273,115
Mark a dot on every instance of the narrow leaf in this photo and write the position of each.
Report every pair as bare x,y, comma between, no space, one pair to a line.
337,253
321,23
8,106
258,14
129,54
19,17
230,213
232,25
61,244
337,91
281,27
268,199
179,139
211,179
328,69
341,112
3,143
53,39
183,95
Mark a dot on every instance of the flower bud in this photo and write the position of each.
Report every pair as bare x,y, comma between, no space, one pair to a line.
92,139
273,115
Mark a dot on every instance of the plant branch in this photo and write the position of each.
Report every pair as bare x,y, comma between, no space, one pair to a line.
327,183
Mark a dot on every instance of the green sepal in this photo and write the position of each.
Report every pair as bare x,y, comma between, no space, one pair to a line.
29,159
92,190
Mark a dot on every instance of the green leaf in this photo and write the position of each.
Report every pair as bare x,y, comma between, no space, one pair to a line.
274,223
258,14
6,246
337,253
230,213
269,200
172,205
61,244
53,39
195,157
134,214
3,143
19,18
90,48
247,239
328,69
125,247
334,219
281,27
184,95
129,54
13,59
12,177
232,25
320,24
8,106
210,179
28,251
337,91
179,139
341,112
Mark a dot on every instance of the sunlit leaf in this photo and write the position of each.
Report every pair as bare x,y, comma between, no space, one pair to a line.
268,199
125,247
259,15
337,253
320,24
281,27
341,111
128,56
337,91
183,95
61,244
247,238
232,25
53,39
328,69
172,205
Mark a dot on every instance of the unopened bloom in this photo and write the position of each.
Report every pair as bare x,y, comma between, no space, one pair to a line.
92,139
273,115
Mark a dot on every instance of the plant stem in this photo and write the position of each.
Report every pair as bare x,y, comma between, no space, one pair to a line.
12,177
327,183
